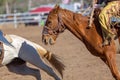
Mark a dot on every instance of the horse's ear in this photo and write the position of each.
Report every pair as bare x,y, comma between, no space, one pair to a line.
57,6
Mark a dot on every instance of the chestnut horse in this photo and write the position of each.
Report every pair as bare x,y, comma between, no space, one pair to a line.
60,19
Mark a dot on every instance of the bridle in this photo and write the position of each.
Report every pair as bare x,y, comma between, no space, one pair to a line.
58,29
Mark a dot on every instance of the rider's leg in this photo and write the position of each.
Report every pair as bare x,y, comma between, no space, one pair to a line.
107,37
105,23
29,54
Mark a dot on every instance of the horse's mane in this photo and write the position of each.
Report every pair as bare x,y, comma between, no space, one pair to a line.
69,16
67,13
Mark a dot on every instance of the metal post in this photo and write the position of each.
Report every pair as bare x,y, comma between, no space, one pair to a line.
15,19
39,20
29,4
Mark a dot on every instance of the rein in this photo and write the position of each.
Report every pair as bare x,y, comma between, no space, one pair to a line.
58,29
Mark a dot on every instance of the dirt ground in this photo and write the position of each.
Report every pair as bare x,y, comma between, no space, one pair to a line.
80,63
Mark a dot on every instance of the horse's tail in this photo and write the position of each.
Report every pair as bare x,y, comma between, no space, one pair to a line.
53,59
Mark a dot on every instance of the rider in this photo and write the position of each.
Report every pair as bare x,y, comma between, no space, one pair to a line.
112,8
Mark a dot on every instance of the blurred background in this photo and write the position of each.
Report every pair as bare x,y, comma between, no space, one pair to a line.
8,6
34,12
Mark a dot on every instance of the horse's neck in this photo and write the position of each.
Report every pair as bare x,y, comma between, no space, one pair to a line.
78,26
74,22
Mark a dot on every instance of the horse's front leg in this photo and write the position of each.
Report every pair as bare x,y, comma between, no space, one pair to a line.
111,61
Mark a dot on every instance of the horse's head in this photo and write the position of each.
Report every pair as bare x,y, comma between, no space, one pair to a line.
53,26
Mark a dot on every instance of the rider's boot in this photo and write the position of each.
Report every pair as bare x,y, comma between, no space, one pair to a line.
108,39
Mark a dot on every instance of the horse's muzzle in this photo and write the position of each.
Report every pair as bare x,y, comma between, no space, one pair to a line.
47,39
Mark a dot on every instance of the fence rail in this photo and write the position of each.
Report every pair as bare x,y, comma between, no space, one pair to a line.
23,18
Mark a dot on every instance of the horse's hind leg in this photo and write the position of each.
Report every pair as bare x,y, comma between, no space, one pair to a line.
24,70
29,54
111,61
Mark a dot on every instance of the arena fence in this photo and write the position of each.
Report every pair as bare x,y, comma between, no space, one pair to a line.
25,18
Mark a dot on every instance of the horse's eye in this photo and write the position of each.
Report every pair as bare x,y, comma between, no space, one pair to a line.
49,22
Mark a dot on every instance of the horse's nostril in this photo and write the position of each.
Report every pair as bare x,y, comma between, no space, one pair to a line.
50,41
44,41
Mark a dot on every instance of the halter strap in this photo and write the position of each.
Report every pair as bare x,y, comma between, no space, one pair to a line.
58,29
